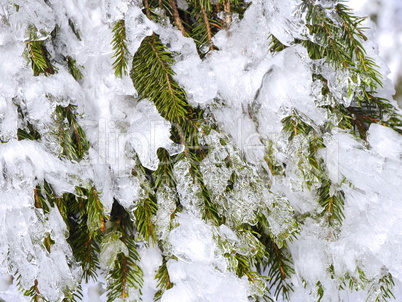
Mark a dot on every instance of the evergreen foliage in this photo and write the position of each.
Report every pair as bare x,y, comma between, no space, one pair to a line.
338,40
38,55
211,178
151,69
125,274
119,44
74,69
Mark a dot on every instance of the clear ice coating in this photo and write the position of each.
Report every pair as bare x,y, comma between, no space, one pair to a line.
199,273
111,246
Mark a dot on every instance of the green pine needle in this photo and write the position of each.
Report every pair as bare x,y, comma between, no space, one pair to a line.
164,283
38,56
74,69
153,79
144,212
71,135
119,44
126,275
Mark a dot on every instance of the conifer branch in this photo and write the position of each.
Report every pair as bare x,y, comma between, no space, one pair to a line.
201,30
74,29
341,45
126,273
164,283
119,44
244,269
34,293
38,56
85,231
94,210
85,246
280,269
164,173
210,210
75,295
83,213
72,137
27,132
278,261
153,78
333,204
74,69
381,289
144,212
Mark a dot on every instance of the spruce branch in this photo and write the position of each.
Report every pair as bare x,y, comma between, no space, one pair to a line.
210,209
247,262
38,56
34,293
275,45
119,44
339,42
207,24
200,21
48,242
332,202
85,246
278,262
126,275
71,136
85,222
74,69
280,269
28,133
354,36
201,30
244,268
153,78
164,283
40,200
94,209
74,29
164,173
36,296
381,289
158,10
75,295
145,211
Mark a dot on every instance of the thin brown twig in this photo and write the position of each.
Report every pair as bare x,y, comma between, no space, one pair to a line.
208,25
280,262
177,19
147,9
228,13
